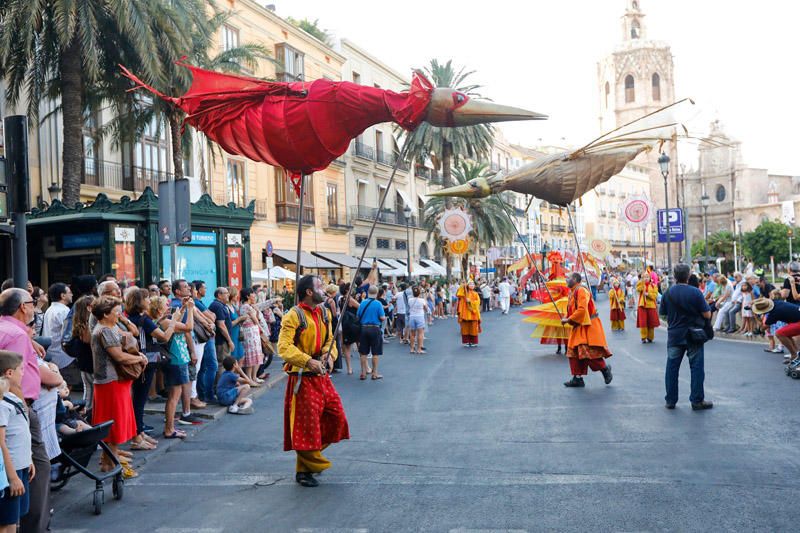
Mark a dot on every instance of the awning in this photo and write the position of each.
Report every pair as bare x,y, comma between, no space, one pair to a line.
406,199
306,259
275,272
391,267
391,263
362,181
421,197
344,260
435,267
419,270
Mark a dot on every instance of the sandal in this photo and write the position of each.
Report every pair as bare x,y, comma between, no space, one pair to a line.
177,434
362,377
142,446
374,378
128,472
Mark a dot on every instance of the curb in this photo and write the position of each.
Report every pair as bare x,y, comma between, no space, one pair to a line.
215,412
757,339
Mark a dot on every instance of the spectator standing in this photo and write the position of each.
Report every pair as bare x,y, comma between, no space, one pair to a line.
112,395
486,294
748,320
372,316
416,322
222,318
331,293
251,334
40,300
80,345
685,308
203,389
504,295
788,294
176,372
400,308
236,323
182,297
348,315
60,297
166,288
15,441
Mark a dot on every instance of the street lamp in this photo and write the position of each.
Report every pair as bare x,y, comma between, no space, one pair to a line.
544,253
407,213
705,201
663,162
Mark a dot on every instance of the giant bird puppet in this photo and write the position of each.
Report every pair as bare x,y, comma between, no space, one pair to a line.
303,126
564,177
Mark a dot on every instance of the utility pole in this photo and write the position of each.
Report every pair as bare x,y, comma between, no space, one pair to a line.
15,188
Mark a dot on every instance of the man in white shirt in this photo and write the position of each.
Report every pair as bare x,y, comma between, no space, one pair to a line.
60,297
486,295
505,295
400,314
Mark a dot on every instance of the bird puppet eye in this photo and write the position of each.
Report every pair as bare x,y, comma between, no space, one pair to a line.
459,99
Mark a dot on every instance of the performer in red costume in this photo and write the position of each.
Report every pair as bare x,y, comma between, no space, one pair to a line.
587,346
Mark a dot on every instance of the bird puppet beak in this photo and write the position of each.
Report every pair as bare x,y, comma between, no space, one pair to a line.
449,108
463,191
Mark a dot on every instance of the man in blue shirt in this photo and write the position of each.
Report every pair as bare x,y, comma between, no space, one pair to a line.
685,308
207,373
371,314
222,319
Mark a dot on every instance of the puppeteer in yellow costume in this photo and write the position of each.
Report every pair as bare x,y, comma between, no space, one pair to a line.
469,313
647,317
616,297
313,414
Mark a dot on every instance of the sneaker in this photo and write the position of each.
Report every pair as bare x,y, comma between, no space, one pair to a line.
233,409
670,406
306,479
702,406
189,420
575,382
607,374
777,350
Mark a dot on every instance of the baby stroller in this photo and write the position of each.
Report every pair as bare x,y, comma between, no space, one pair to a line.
76,452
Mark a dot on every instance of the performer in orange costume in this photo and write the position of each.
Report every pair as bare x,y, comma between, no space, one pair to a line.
587,346
469,313
547,315
647,318
616,297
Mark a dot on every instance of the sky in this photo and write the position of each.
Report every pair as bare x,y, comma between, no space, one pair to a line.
736,58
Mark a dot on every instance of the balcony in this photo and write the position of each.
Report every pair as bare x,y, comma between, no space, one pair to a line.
334,221
612,193
545,227
289,212
494,167
422,172
362,150
612,214
603,213
436,180
559,227
111,175
387,216
261,210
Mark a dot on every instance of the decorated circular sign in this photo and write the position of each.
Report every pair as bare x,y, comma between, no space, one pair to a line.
600,248
458,247
454,224
637,211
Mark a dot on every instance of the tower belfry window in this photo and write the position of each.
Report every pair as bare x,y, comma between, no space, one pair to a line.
630,91
636,30
656,87
608,90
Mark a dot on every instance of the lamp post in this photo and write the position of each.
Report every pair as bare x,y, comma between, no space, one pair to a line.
544,253
705,201
407,213
663,162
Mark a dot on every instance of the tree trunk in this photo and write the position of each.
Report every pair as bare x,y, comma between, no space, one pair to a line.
72,116
447,181
202,153
175,139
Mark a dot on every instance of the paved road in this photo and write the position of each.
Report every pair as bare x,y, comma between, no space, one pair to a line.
489,439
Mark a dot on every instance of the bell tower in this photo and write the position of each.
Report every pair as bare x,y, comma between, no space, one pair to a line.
635,79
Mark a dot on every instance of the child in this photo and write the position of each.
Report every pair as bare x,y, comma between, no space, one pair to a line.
774,347
15,441
233,390
748,320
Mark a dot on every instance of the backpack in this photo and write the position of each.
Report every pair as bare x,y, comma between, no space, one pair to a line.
303,324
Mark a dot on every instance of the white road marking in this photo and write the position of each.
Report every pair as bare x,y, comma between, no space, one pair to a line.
332,530
189,530
464,530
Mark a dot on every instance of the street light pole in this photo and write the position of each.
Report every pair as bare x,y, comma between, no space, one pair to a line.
663,162
407,213
704,201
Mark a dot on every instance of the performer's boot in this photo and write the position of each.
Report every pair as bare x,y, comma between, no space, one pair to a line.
607,374
576,381
306,479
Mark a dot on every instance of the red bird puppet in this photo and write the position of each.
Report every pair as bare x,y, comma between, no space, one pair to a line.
304,126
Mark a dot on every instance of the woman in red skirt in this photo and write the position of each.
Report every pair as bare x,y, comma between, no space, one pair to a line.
112,396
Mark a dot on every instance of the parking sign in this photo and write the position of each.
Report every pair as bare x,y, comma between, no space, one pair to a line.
670,225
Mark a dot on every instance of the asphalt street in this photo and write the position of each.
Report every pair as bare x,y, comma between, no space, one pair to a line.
488,439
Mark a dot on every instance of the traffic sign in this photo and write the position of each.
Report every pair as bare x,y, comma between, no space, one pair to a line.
670,225
270,262
269,248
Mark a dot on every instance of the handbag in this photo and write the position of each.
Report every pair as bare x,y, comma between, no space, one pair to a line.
699,334
200,333
130,371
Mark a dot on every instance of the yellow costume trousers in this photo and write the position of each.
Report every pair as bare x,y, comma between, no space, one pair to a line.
618,325
648,333
311,461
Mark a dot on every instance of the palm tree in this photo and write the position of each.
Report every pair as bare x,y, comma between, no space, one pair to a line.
490,223
65,49
176,80
443,144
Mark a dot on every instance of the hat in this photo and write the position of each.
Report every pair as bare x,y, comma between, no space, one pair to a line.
762,305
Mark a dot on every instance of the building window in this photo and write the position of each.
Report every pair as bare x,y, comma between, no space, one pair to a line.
331,201
188,167
230,38
608,91
636,30
400,245
630,94
356,77
362,241
90,149
656,87
234,179
721,193
382,244
290,63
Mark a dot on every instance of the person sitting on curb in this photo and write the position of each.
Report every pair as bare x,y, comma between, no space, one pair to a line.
785,312
233,390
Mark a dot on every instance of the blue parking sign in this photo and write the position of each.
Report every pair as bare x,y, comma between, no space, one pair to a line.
670,225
